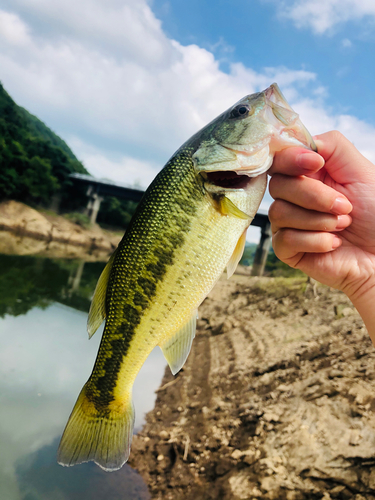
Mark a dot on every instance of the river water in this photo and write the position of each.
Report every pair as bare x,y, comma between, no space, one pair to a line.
45,358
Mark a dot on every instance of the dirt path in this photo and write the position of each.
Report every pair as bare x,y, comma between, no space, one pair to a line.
275,401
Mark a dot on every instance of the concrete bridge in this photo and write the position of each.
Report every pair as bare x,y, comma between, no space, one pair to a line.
97,189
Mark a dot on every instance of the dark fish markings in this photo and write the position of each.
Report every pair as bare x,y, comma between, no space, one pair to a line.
144,255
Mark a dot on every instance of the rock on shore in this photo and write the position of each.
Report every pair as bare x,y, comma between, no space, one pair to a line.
276,400
25,230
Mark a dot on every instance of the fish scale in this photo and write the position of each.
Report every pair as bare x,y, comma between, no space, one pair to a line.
154,236
184,233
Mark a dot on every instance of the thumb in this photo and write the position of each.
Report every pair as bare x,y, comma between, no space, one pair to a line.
343,161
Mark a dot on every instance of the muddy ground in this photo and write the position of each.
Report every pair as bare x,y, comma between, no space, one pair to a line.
276,400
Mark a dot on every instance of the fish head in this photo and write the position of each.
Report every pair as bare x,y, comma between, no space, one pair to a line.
241,142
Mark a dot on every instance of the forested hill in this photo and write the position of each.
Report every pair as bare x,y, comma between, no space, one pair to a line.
34,162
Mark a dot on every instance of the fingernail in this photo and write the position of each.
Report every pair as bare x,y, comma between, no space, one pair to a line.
341,206
336,242
305,156
342,222
309,160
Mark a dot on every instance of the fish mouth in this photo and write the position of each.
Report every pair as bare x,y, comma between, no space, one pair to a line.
227,179
284,112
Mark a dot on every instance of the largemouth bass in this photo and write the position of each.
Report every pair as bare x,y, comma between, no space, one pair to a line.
190,224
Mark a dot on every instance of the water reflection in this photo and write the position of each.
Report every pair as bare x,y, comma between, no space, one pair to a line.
27,282
45,358
41,478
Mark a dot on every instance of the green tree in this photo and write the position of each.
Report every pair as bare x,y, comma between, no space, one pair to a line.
35,163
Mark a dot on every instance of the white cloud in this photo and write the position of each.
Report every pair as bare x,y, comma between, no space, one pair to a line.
318,118
322,15
359,132
123,94
77,85
12,29
346,43
127,29
121,169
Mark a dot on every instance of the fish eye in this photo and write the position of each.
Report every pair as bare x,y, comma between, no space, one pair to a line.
240,111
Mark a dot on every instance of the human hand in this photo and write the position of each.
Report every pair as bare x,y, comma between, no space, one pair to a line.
312,229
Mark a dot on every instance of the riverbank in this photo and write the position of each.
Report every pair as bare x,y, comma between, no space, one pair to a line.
276,400
26,231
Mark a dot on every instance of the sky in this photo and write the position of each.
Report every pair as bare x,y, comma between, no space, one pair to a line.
126,82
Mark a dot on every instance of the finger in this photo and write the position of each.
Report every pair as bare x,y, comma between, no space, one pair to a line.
308,193
296,161
291,244
283,214
344,162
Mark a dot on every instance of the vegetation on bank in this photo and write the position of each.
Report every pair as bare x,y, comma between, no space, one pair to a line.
35,162
35,165
115,212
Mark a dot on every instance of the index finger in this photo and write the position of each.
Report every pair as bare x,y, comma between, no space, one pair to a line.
296,161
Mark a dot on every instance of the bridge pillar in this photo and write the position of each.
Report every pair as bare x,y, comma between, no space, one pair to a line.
261,253
74,280
93,205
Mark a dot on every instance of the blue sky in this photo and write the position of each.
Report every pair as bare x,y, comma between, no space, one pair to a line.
257,34
125,82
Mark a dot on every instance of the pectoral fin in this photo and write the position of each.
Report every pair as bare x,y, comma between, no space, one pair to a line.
237,254
98,313
176,350
227,207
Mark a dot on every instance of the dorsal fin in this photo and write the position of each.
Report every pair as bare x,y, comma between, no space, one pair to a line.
176,349
97,313
237,254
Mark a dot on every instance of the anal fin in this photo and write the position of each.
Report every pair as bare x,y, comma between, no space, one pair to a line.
176,349
237,254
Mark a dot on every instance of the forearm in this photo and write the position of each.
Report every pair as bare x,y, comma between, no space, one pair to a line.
364,302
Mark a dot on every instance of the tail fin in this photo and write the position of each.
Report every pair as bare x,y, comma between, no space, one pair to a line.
89,435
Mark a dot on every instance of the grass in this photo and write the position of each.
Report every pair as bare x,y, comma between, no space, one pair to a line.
82,220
